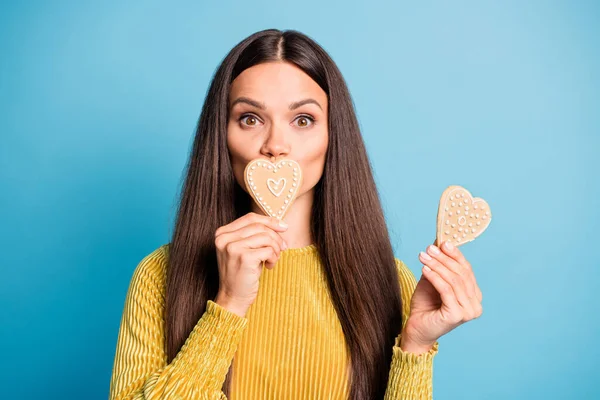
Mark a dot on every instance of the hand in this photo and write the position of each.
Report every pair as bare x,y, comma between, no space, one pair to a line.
445,297
242,246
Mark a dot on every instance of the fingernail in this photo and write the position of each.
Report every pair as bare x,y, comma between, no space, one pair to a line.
448,245
425,256
283,224
426,268
433,249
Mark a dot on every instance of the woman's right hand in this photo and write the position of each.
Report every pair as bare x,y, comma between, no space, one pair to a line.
242,246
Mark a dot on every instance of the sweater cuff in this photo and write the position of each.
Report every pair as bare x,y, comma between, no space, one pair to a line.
411,375
210,347
423,360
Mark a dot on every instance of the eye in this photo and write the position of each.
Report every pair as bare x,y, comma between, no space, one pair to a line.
251,118
305,118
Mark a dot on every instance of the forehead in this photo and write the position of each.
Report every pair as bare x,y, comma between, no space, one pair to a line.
276,81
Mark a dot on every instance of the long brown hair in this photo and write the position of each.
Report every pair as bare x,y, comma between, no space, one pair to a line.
347,220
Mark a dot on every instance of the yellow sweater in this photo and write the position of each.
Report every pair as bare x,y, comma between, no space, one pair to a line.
290,344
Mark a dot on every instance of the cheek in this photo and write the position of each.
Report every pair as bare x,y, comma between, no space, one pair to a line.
239,159
313,164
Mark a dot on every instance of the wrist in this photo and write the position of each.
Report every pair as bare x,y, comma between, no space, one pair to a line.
231,306
409,342
410,346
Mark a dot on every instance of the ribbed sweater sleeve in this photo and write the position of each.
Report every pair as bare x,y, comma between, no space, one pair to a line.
411,375
140,368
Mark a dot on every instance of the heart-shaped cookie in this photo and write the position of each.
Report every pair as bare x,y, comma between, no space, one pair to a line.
273,186
461,218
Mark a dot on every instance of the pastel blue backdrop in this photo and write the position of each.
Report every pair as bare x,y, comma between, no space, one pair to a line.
98,105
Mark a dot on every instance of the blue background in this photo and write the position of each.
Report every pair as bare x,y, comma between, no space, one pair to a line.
99,103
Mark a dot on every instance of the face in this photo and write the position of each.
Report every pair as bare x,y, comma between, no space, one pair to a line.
277,110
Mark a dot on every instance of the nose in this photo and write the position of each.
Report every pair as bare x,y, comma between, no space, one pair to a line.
275,145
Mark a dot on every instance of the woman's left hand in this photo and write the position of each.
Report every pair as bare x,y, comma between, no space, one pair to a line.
445,297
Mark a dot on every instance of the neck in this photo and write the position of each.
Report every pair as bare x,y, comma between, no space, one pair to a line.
298,219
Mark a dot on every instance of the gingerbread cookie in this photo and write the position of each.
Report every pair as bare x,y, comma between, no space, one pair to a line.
461,218
273,186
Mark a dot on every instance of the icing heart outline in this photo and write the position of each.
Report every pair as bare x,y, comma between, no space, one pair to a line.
256,177
272,181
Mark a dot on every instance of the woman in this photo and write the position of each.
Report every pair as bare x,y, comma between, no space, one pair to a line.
333,314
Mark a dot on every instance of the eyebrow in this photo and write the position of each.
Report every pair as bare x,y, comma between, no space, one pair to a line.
262,106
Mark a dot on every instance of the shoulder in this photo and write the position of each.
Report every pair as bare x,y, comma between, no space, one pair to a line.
405,275
407,282
149,276
154,263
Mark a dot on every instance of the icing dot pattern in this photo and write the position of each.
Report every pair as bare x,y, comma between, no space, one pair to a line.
463,217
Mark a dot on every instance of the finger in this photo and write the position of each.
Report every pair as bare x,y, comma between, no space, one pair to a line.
437,254
464,268
477,291
250,218
262,255
444,289
259,240
457,313
270,262
450,277
462,285
453,252
271,259
455,266
247,231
